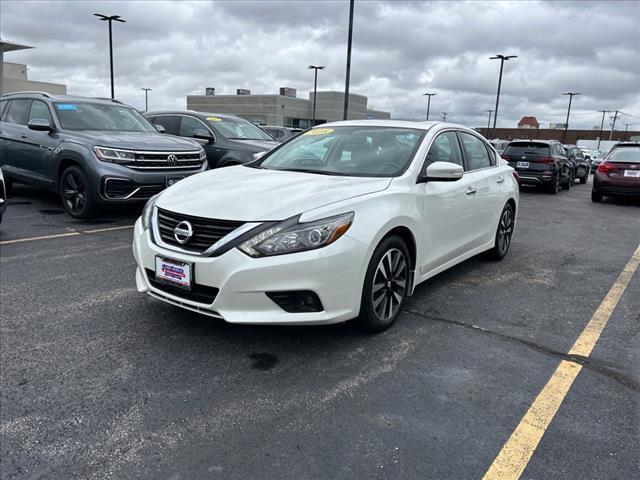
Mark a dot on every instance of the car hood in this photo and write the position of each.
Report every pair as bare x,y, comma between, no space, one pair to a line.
137,140
253,146
251,194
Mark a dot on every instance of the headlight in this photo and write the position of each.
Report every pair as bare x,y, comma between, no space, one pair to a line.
147,212
114,155
297,237
203,155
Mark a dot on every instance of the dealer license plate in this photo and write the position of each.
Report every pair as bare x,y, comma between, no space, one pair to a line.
523,164
632,173
174,272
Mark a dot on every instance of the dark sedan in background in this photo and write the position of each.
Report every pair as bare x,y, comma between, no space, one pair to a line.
619,173
581,164
226,139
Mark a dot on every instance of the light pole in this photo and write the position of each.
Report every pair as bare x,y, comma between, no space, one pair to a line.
489,121
626,126
613,125
315,88
444,116
502,59
348,74
112,18
566,124
601,126
429,95
146,98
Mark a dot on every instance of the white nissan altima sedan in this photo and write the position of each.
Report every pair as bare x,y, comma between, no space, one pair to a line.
338,223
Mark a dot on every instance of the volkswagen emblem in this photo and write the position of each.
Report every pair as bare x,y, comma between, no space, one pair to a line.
172,160
183,232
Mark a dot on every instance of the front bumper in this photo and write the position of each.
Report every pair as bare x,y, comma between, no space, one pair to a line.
335,273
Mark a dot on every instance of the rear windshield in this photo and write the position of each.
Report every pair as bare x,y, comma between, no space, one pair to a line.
527,148
624,154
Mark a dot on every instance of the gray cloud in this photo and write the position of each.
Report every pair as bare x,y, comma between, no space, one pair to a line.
401,50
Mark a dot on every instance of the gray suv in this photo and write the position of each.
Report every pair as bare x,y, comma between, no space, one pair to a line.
90,151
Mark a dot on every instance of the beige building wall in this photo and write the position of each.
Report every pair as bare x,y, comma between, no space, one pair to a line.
15,80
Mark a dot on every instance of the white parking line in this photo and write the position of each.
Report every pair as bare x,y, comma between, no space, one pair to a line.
67,234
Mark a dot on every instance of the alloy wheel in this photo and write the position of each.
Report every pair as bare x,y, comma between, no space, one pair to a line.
505,230
389,284
74,192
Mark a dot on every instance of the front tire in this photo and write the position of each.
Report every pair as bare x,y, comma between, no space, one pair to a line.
385,285
504,233
75,193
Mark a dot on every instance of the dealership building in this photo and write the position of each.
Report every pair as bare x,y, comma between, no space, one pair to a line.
284,108
13,76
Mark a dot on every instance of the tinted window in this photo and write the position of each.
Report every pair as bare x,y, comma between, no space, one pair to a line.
351,151
527,148
171,123
476,152
40,111
101,117
18,111
188,125
445,148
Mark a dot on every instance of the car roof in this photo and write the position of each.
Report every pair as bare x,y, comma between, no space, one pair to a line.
190,112
420,125
56,98
626,144
534,140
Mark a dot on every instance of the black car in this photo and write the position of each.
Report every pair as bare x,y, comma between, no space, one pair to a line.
541,163
582,165
226,139
91,151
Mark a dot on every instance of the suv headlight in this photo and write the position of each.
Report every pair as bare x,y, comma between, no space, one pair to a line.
114,155
203,155
289,237
147,212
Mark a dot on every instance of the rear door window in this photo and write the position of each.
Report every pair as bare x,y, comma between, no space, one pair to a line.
18,111
171,123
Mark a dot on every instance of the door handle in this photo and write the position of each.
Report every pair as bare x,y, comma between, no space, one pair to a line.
500,180
470,191
23,135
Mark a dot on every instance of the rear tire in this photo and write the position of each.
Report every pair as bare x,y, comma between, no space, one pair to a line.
583,180
385,285
596,196
75,193
8,186
554,188
567,186
503,234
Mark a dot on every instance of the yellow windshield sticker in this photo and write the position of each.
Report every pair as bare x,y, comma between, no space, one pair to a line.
319,131
214,119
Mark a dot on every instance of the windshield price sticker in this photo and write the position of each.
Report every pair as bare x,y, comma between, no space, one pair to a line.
214,119
319,131
66,106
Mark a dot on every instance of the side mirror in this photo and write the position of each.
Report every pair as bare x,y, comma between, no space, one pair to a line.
40,125
202,134
443,172
160,128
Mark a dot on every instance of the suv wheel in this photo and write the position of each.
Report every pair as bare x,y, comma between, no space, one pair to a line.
567,185
385,285
584,178
75,193
554,188
503,234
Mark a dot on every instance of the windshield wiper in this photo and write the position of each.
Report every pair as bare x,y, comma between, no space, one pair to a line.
308,170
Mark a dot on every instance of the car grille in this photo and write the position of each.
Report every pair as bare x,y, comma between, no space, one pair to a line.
198,293
206,231
161,161
123,189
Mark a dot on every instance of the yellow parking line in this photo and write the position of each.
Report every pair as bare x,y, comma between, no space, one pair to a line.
67,234
517,451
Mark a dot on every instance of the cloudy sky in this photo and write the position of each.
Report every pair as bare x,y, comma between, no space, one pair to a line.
400,50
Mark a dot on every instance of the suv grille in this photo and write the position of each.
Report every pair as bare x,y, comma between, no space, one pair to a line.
161,160
206,231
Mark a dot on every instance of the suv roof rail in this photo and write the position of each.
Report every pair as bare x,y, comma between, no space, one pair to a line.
108,99
28,92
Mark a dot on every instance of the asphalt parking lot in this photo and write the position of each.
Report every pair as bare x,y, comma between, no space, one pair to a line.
98,381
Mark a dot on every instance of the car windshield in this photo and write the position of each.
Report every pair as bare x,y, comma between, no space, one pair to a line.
99,116
237,129
362,151
624,154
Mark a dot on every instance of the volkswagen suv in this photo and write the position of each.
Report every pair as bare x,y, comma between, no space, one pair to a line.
90,151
